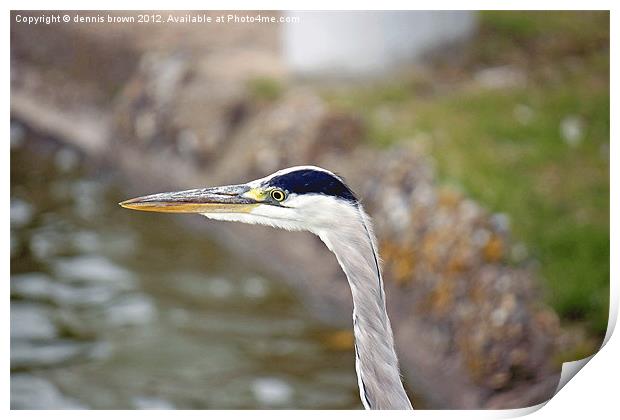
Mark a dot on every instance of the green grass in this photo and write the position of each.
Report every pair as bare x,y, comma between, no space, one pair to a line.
264,88
505,147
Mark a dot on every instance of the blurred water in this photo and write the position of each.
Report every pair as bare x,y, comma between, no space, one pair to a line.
114,309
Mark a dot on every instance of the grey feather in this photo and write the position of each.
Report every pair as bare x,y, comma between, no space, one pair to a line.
354,245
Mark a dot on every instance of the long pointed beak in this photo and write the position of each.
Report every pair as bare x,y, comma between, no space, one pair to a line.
227,199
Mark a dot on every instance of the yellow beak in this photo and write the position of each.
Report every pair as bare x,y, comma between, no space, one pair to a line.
227,199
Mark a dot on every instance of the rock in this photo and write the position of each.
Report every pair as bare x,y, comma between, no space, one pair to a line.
45,354
86,241
17,134
38,286
130,311
255,287
120,311
29,392
31,322
151,403
66,159
46,243
21,212
93,269
272,391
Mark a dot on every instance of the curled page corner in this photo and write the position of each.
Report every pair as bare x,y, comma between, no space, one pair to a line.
570,369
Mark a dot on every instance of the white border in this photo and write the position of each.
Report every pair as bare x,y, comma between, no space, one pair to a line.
592,394
311,5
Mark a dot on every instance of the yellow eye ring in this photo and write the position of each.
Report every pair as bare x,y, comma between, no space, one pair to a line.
277,194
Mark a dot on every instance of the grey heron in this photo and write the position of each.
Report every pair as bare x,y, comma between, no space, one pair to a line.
309,198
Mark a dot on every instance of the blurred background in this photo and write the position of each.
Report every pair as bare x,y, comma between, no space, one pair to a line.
479,142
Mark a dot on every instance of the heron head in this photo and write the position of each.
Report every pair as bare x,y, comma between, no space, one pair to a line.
299,198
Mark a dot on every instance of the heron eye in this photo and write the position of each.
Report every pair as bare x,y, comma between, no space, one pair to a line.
277,195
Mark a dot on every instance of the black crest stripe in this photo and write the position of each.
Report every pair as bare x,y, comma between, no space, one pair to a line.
308,181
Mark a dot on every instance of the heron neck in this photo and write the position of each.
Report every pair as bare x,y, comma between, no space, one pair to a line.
376,362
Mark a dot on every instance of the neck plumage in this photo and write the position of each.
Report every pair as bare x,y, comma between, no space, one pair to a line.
375,357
